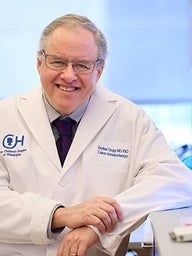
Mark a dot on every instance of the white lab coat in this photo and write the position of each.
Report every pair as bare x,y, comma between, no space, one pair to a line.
117,152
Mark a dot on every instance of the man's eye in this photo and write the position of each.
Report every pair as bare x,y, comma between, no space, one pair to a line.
58,63
81,66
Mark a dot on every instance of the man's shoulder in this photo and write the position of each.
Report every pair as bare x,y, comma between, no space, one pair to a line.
9,102
108,94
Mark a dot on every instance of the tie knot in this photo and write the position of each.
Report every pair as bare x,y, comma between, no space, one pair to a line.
64,126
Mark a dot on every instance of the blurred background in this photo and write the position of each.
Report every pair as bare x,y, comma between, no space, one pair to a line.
149,61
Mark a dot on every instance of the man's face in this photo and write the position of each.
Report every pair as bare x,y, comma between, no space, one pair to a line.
67,89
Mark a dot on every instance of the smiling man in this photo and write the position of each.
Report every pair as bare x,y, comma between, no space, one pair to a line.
69,64
117,167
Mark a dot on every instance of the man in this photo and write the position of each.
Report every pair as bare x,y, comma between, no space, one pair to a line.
118,168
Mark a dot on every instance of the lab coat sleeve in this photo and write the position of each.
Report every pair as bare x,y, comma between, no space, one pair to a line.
24,217
161,181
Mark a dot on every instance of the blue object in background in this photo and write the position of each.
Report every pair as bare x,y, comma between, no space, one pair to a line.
185,154
188,161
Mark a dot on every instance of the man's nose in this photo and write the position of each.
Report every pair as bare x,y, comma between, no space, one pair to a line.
68,73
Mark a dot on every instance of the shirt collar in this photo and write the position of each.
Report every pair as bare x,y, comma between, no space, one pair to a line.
76,115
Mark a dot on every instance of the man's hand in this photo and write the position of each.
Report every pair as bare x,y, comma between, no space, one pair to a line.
101,212
77,242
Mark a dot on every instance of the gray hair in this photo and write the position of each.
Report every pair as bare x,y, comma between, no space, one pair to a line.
72,21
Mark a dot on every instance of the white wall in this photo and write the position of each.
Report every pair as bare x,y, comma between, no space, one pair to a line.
149,44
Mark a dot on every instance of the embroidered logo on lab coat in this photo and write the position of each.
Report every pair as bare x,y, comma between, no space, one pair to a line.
113,151
13,145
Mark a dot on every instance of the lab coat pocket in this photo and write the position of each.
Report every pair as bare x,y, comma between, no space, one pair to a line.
106,169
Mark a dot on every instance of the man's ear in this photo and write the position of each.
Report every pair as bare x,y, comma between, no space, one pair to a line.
100,70
39,61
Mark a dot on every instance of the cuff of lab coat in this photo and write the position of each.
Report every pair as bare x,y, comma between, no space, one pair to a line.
50,232
108,242
41,220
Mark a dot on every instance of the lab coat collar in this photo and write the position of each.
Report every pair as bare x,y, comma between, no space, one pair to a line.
101,106
32,108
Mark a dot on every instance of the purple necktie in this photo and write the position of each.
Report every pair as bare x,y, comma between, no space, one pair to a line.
64,127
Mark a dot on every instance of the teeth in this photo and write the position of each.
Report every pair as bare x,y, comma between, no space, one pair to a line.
67,89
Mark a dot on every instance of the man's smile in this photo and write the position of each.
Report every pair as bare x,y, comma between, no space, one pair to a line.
66,88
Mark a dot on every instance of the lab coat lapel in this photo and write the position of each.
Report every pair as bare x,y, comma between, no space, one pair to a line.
92,121
101,107
38,123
